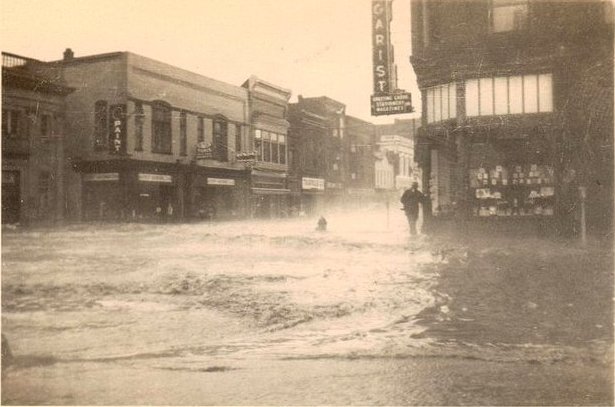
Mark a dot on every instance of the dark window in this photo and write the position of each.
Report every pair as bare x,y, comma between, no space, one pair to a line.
161,128
101,126
274,147
200,130
282,144
237,139
46,126
266,147
509,15
220,140
11,123
258,144
139,119
183,136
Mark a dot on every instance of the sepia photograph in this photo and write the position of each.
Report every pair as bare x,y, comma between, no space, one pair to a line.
307,202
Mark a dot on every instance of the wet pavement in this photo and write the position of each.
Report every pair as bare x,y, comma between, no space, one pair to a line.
276,313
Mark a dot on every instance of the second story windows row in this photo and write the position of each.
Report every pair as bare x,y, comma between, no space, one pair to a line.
499,95
161,123
509,95
270,147
441,102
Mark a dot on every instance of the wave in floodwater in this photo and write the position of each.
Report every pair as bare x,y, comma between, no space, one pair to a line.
191,294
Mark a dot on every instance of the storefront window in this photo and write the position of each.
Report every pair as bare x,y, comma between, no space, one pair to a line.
200,130
513,190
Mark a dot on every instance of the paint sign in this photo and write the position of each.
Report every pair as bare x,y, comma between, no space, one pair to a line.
117,123
101,177
381,46
313,184
162,178
220,181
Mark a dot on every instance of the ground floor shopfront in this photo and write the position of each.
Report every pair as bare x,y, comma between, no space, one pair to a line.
127,190
497,177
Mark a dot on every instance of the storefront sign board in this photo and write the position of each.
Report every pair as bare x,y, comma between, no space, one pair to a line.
103,176
162,178
220,181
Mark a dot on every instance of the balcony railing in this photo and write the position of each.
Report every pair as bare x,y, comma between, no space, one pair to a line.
14,61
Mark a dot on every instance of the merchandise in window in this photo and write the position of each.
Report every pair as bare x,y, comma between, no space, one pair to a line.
514,190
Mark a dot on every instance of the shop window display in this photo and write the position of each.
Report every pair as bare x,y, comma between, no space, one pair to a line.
515,190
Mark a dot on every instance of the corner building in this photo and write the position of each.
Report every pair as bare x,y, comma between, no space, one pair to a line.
517,109
153,141
33,137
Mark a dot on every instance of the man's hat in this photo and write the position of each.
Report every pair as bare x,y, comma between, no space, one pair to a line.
415,184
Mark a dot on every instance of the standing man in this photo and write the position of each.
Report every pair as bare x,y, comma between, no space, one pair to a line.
411,199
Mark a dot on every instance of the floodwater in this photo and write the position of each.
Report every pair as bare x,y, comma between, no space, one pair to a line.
274,312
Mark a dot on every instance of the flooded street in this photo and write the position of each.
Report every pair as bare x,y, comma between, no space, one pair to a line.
273,312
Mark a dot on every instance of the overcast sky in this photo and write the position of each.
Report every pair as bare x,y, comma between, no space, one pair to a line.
313,47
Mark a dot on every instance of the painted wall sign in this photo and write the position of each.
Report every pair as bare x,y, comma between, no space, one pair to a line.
381,46
117,123
220,181
313,183
103,176
162,178
396,103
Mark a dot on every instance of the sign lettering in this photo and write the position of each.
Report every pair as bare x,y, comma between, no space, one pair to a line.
117,122
381,43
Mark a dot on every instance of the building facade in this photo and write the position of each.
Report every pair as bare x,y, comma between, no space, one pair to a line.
360,147
153,141
33,136
318,157
398,168
498,80
268,141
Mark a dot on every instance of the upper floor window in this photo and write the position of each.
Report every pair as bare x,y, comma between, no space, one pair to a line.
509,95
183,134
509,15
441,102
200,130
220,140
139,119
270,146
237,138
11,122
162,138
101,125
46,126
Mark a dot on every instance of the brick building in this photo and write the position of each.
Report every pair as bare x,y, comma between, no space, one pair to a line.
517,108
318,157
153,141
268,110
33,134
359,146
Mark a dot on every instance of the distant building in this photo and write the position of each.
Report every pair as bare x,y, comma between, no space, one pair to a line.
268,141
317,137
395,167
360,147
153,141
33,135
517,108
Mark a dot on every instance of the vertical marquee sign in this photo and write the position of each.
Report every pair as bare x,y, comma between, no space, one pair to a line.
387,99
117,124
381,42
